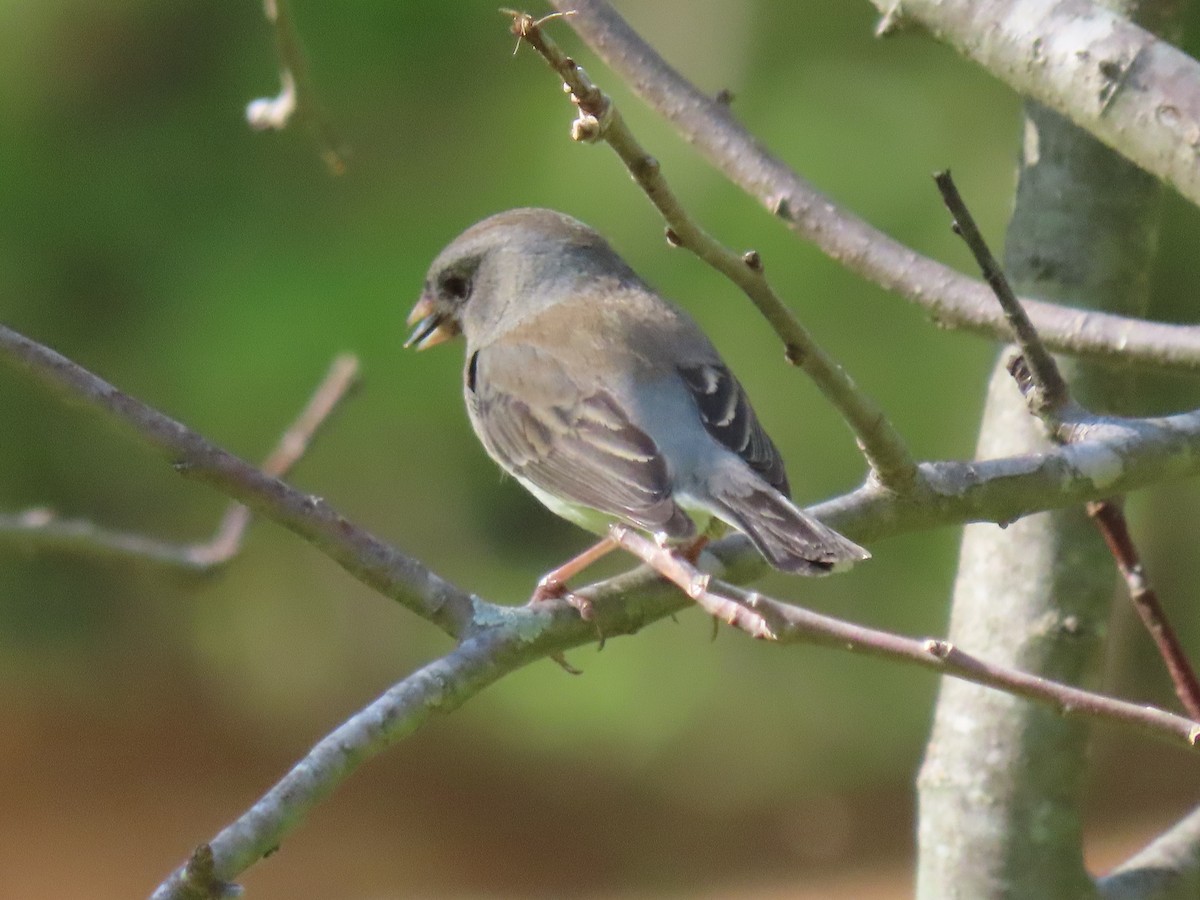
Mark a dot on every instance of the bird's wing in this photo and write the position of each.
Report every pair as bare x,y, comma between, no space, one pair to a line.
728,417
571,441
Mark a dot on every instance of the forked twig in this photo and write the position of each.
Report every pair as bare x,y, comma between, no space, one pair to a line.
372,561
42,529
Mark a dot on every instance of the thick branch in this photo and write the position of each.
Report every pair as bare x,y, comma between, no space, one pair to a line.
1114,456
1131,90
951,299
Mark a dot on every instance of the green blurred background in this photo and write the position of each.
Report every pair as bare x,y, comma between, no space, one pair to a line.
147,233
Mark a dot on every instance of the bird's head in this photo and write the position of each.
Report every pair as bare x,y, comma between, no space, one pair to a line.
504,269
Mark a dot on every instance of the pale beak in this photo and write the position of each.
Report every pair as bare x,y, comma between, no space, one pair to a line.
432,326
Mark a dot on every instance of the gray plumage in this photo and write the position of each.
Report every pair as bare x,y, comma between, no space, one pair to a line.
603,399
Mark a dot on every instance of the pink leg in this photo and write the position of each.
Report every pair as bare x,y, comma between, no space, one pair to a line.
553,584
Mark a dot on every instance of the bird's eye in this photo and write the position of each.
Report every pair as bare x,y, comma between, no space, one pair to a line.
455,287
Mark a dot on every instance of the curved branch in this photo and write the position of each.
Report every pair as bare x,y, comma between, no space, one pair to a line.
951,299
497,640
1130,89
500,640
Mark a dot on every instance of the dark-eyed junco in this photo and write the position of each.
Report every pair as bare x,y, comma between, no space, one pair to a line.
604,400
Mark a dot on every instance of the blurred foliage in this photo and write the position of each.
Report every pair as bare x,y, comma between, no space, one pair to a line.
213,272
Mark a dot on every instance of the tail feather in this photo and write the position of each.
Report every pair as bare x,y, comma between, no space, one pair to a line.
789,539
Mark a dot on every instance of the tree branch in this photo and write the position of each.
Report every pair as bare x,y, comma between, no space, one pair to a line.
1044,390
1130,89
763,617
952,300
500,640
1048,396
599,119
439,687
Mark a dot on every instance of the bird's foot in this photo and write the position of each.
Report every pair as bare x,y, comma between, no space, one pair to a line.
552,589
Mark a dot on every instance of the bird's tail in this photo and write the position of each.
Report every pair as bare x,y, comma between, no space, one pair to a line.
789,539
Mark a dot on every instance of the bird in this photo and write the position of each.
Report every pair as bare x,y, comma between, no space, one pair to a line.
605,400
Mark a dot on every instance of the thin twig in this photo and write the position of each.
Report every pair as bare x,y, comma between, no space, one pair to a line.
951,299
1047,393
1110,520
763,617
599,119
338,382
41,528
297,95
